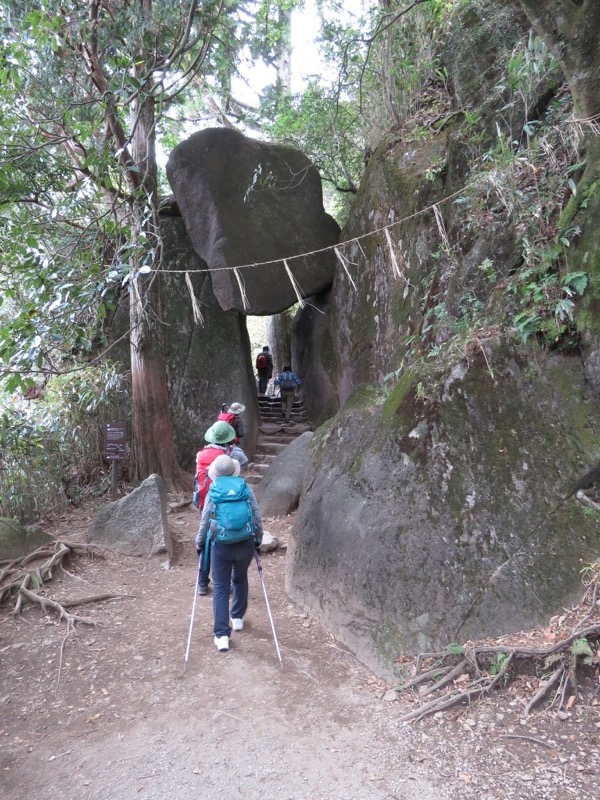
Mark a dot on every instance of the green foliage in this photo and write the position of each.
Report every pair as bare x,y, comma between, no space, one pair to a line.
78,204
579,652
498,663
455,649
581,647
548,303
525,181
51,447
327,129
526,70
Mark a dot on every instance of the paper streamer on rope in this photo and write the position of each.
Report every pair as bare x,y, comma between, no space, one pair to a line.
294,283
245,303
327,249
395,266
344,262
196,310
441,227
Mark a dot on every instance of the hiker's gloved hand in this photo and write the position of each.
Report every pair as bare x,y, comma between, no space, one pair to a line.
199,550
257,545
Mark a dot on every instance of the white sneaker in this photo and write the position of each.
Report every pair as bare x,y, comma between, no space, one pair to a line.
237,624
222,642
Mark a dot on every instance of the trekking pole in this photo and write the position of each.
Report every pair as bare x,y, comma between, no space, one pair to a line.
189,641
260,574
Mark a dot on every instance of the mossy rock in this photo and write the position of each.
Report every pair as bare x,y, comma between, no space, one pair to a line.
17,540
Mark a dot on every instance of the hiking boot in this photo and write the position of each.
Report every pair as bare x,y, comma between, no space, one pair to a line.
202,590
237,624
222,643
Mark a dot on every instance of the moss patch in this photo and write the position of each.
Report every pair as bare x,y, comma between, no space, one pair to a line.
402,399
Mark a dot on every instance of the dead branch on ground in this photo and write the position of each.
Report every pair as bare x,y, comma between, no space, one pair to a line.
462,675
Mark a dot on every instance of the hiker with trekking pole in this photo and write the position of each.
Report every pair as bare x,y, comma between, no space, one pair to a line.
230,532
221,440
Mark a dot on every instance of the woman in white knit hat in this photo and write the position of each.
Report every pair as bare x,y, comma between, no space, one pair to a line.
230,530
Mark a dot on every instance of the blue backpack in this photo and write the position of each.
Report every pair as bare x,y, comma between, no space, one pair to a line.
232,519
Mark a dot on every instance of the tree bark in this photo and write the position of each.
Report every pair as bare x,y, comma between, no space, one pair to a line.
152,426
283,54
571,30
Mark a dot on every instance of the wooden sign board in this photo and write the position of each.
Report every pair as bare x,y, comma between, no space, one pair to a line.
115,441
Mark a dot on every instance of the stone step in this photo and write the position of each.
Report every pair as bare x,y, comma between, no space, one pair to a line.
274,434
278,422
277,414
272,447
276,406
263,458
259,467
276,402
279,438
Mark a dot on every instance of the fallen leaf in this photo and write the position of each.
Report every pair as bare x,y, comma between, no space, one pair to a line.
464,678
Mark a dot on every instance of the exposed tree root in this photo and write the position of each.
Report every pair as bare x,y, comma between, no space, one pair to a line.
21,583
476,689
45,603
462,675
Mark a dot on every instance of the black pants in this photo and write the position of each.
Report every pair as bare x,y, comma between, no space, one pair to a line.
263,380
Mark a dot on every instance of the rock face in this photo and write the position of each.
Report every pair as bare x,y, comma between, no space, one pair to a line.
314,358
428,522
208,363
245,202
17,540
135,525
425,515
278,492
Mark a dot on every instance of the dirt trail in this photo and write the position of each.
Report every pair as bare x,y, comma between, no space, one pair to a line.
121,720
113,716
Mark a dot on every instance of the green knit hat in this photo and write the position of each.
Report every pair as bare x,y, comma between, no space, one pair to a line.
220,433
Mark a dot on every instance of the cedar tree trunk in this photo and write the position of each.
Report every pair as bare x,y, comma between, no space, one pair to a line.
153,448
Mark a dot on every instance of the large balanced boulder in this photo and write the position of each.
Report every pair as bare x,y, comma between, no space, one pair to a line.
135,525
18,540
246,202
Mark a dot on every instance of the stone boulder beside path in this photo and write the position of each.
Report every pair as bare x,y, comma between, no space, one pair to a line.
18,540
135,525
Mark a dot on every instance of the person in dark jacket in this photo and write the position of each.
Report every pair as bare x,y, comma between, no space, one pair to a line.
264,369
230,559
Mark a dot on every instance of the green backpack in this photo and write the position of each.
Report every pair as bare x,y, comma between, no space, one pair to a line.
232,518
